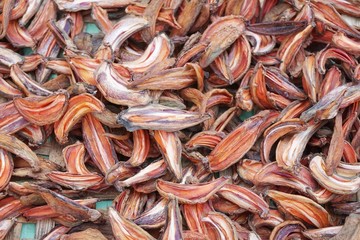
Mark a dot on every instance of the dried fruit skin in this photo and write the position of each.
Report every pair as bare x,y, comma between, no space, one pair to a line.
145,111
302,208
78,107
159,117
125,229
190,193
229,151
42,110
99,147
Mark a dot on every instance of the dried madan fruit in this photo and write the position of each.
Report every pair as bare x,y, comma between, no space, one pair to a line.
199,119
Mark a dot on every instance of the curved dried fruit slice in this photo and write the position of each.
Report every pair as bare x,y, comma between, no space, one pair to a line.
17,147
335,183
99,147
122,30
42,110
272,174
171,148
6,168
115,89
301,208
159,117
190,193
275,132
65,206
78,107
223,225
75,181
287,229
220,34
229,151
173,229
126,229
244,198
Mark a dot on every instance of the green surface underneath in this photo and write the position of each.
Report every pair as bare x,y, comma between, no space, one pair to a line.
245,115
91,28
28,231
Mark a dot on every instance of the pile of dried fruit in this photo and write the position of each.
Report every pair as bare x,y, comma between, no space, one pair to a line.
150,112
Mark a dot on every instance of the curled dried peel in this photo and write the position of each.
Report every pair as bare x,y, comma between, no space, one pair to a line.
301,208
207,139
190,193
229,151
171,148
18,36
99,147
126,229
223,225
328,106
287,229
220,34
193,213
76,181
141,147
43,212
8,90
280,83
11,207
42,110
332,79
74,156
335,183
244,198
115,88
272,174
292,46
262,44
324,55
336,147
152,171
64,205
327,14
78,107
11,120
159,117
17,147
154,217
273,219
170,79
275,132
83,67
233,65
248,168
291,147
102,18
6,168
26,83
9,57
322,233
311,78
173,229
158,50
258,89
340,40
122,30
120,171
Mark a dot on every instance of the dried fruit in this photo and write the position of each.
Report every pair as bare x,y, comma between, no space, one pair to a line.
199,119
